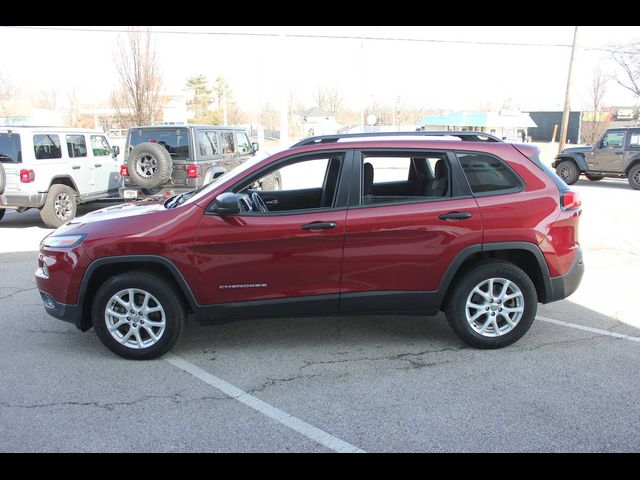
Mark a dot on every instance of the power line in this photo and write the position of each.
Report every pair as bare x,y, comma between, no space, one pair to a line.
315,36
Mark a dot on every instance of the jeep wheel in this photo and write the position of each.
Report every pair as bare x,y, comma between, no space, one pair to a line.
593,177
149,165
60,206
3,180
2,212
273,182
634,177
492,305
137,315
568,171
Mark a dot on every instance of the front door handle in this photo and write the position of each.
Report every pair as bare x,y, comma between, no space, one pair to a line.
97,165
455,216
619,153
76,167
319,226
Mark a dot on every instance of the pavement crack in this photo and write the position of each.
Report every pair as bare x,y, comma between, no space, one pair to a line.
274,381
558,342
59,332
110,406
18,291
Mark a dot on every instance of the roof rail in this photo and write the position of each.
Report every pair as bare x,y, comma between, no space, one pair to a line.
464,136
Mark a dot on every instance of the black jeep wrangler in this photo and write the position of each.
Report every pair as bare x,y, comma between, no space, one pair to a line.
616,154
167,160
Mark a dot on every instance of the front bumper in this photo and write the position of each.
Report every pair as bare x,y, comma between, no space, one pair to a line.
565,285
61,311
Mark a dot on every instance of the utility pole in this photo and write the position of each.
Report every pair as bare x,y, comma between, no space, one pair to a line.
284,93
567,96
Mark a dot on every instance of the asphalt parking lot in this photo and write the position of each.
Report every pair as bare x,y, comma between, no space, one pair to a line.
364,383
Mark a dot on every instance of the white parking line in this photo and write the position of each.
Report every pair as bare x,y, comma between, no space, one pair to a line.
294,423
589,329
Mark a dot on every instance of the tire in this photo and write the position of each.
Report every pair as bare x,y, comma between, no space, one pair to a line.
479,276
60,206
273,182
133,331
149,165
593,177
568,171
2,212
3,179
634,177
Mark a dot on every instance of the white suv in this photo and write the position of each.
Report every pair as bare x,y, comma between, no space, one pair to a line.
55,168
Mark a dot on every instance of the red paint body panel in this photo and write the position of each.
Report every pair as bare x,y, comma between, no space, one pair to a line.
405,247
273,252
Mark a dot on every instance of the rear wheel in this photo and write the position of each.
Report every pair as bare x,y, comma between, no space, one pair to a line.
593,177
3,179
568,171
634,177
492,305
138,315
2,210
60,207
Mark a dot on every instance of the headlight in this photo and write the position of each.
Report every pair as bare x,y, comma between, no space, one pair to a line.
62,241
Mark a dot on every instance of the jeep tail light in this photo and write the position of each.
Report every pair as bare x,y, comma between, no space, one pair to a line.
570,200
192,171
124,171
27,176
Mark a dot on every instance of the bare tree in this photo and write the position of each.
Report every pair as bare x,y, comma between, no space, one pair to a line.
137,98
628,58
329,98
8,94
597,120
73,107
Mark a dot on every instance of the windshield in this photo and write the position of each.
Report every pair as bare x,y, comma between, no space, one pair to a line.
10,148
236,172
175,140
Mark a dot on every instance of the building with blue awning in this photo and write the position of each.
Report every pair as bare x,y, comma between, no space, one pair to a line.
508,125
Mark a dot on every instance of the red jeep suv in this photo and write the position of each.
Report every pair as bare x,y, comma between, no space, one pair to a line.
403,223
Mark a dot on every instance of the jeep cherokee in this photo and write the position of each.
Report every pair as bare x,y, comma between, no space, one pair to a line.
454,221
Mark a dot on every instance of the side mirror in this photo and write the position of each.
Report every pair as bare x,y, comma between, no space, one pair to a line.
115,151
226,204
255,146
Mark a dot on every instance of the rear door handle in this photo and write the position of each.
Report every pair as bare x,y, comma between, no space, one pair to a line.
76,167
619,153
97,164
455,216
319,226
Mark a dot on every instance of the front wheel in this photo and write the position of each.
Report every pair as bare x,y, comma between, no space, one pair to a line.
138,315
492,305
634,177
2,211
568,171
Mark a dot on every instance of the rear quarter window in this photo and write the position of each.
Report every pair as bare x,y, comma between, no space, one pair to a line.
10,148
488,174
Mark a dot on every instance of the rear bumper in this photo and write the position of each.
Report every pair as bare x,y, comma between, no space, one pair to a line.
161,193
565,285
61,311
33,200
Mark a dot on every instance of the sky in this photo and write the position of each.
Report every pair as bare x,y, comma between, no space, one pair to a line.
436,75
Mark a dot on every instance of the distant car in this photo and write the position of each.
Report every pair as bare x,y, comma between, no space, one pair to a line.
616,154
167,160
479,229
54,169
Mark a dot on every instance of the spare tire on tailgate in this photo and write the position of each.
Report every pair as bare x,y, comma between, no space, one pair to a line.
2,179
149,165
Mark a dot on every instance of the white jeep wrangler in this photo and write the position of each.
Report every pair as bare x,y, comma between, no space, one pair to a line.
54,169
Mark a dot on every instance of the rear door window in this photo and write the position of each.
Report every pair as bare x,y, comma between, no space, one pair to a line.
10,149
175,140
76,146
47,146
488,174
208,143
228,142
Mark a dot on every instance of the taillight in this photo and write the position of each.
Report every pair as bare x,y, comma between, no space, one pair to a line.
192,171
27,176
124,171
570,200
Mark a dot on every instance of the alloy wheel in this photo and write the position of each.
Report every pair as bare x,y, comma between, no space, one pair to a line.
494,307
